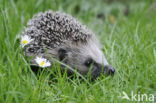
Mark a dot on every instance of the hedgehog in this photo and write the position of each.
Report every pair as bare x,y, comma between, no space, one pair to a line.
59,35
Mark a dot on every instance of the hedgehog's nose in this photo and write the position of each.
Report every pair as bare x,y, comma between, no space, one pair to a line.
109,70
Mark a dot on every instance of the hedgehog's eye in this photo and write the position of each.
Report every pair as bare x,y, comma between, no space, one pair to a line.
88,62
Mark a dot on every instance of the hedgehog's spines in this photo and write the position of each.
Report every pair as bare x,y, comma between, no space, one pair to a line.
51,29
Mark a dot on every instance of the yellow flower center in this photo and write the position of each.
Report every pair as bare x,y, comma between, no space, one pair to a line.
42,63
25,42
112,19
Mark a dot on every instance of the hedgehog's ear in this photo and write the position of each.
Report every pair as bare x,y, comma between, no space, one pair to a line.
62,53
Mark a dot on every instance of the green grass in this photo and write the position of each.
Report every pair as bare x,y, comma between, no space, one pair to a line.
129,43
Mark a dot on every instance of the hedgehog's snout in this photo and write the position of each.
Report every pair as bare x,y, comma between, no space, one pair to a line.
107,70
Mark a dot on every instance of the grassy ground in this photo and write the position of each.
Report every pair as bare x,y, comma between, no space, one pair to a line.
127,31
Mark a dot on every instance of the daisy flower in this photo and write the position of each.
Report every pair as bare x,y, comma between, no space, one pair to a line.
42,62
25,40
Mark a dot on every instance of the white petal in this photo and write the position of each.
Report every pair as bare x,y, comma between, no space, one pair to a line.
47,64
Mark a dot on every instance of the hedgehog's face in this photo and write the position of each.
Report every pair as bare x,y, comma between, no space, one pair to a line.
86,58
